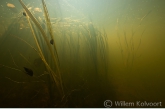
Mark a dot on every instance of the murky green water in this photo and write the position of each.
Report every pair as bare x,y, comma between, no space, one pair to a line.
106,50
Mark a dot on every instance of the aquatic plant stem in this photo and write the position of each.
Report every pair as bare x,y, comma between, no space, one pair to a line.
49,47
52,37
40,52
49,27
11,67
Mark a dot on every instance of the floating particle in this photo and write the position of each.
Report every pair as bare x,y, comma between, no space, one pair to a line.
28,71
24,13
37,9
10,5
51,41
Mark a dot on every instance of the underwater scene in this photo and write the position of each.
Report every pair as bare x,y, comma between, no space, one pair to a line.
82,53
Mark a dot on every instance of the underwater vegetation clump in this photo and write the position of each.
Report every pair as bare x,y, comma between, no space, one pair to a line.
70,53
55,59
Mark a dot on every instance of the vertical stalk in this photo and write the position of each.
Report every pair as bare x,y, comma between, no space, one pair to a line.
56,76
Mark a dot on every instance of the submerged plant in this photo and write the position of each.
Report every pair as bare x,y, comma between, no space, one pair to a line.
73,53
55,75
